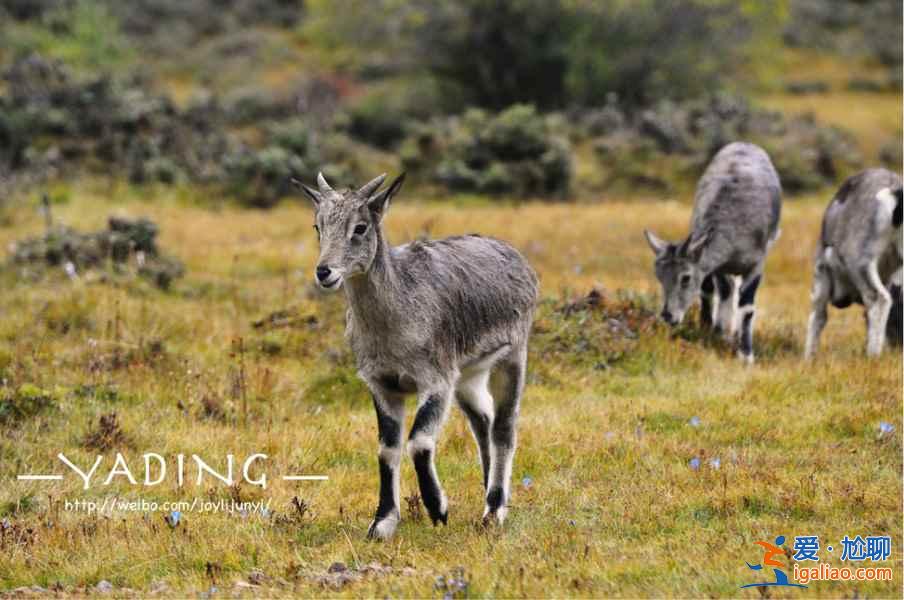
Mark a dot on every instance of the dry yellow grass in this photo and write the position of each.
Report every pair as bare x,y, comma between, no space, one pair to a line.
876,118
612,508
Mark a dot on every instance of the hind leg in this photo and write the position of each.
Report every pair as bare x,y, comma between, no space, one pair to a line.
507,382
878,302
473,396
819,299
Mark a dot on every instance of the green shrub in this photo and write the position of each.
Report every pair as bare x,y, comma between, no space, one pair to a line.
383,116
22,403
672,141
260,177
513,152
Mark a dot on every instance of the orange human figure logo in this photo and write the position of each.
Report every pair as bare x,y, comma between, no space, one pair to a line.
771,550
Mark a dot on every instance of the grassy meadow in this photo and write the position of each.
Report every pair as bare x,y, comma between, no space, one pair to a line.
606,499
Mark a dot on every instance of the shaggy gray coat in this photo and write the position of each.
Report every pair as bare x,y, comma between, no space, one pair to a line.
735,221
859,257
440,319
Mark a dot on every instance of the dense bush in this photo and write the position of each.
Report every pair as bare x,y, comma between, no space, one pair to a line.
48,111
382,116
51,118
866,27
675,141
124,242
516,151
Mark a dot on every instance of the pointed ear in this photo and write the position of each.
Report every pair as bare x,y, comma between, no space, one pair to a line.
693,247
658,246
379,203
310,192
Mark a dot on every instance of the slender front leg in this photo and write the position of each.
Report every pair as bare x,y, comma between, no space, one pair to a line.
508,386
707,295
819,300
390,418
746,312
428,422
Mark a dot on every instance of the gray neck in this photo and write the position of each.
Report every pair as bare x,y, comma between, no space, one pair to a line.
371,296
712,257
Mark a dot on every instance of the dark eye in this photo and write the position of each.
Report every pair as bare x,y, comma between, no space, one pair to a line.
685,280
360,228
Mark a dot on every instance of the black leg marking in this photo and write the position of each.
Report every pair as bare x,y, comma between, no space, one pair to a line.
748,291
390,434
387,499
894,327
390,430
427,415
897,216
430,492
724,285
748,294
426,421
746,341
706,302
480,425
495,498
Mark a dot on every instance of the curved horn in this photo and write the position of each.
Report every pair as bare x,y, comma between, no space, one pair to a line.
370,187
322,184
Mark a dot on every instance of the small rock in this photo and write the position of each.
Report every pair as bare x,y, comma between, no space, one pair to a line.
257,577
337,567
104,586
375,568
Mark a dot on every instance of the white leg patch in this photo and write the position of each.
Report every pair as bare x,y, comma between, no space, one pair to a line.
876,313
474,389
385,528
727,312
420,443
